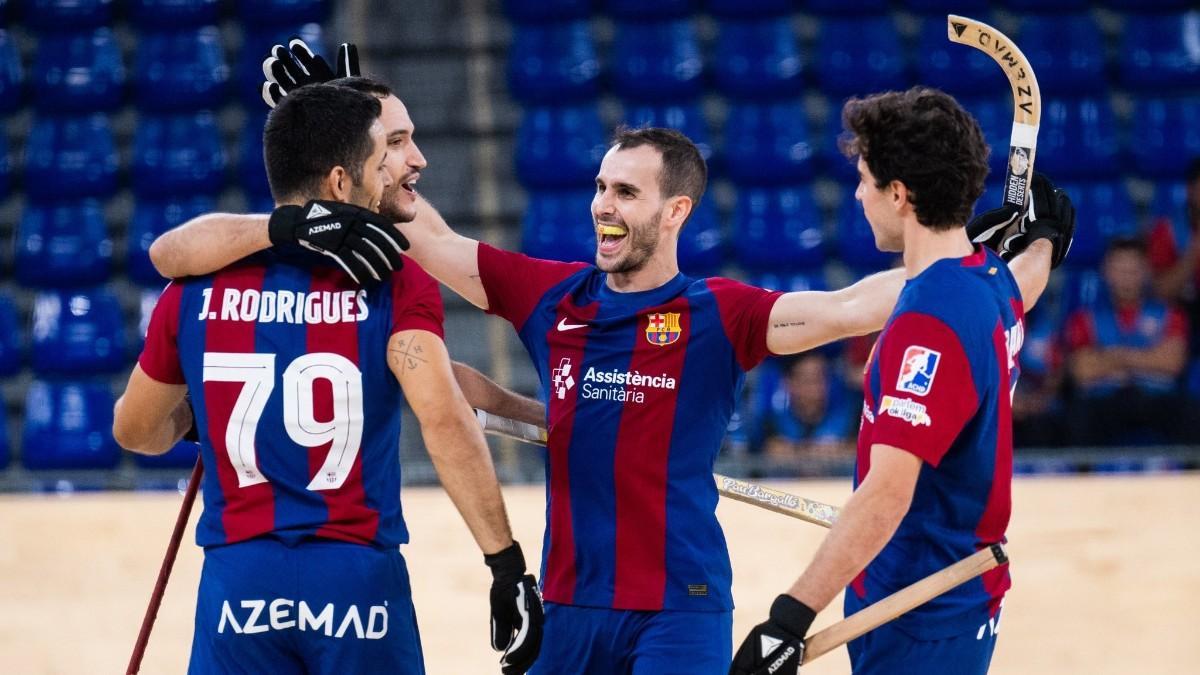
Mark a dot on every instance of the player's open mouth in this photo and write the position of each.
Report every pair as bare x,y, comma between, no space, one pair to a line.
609,237
410,186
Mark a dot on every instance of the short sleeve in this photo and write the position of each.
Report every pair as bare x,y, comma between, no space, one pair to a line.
745,313
160,355
927,393
416,301
515,283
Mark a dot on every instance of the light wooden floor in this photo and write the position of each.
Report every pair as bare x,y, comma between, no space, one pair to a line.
1106,578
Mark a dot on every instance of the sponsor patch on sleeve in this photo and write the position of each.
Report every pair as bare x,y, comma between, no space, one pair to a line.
906,409
918,369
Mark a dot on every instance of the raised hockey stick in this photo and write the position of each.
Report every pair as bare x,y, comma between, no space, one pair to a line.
751,493
903,600
164,572
1027,101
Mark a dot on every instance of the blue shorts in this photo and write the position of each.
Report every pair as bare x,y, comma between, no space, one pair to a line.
318,607
598,641
888,649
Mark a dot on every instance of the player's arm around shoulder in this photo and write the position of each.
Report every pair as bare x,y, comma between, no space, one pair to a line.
151,416
449,257
806,319
208,243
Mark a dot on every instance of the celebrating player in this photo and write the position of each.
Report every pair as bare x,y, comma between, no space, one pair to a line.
934,467
295,375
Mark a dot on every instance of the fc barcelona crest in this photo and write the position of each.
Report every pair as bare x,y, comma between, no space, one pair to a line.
663,329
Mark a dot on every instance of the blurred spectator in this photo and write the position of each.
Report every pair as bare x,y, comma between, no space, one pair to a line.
1174,249
810,417
1125,355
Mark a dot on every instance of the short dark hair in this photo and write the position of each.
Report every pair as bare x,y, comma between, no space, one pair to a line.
1132,244
923,138
312,130
364,84
683,169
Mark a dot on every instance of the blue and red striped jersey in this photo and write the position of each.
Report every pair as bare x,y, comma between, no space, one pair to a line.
640,388
939,385
297,410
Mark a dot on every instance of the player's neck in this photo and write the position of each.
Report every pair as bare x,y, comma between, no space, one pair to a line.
656,272
923,246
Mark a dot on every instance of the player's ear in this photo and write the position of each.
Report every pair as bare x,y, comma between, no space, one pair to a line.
337,184
677,210
899,194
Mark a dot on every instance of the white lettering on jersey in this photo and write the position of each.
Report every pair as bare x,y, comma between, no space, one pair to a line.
281,618
326,307
622,386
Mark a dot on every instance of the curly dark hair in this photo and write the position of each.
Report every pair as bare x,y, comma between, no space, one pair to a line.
923,138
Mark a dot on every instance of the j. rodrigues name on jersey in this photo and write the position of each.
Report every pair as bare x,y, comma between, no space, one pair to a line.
285,306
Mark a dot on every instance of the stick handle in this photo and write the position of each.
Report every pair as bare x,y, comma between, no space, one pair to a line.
903,600
164,572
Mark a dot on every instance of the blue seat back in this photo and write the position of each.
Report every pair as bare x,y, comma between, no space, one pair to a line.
657,61
778,228
558,226
1165,135
773,145
76,72
68,157
181,70
560,147
1158,52
953,68
855,240
686,117
67,15
1103,211
78,332
960,7
1170,200
860,56
152,217
553,63
640,10
282,12
702,242
68,425
12,346
540,11
832,161
995,119
855,7
1047,6
5,167
1078,138
62,244
12,76
748,8
1067,52
173,14
758,59
251,167
178,154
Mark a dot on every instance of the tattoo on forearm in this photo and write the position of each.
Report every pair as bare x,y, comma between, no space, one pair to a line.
788,324
408,354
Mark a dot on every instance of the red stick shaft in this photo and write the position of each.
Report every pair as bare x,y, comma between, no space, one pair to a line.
164,572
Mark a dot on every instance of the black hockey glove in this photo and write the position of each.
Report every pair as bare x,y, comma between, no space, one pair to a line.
776,646
365,244
516,611
287,68
1050,216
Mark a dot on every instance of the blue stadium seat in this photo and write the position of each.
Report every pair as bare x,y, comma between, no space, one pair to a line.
995,119
778,229
993,194
1148,5
181,456
558,226
701,242
640,10
1103,211
257,43
66,15
758,59
1078,138
68,157
251,169
12,78
560,147
943,7
810,280
12,347
178,154
1046,6
657,61
68,425
838,166
769,143
62,244
952,67
181,70
1170,200
1082,284
282,12
860,56
173,14
78,332
855,240
78,72
855,7
687,117
538,11
553,63
1159,52
748,8
1067,51
1165,135
5,167
150,219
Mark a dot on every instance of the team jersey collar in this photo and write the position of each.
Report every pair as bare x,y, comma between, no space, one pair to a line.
648,298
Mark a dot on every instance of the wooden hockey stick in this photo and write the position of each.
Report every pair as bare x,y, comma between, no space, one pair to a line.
903,600
778,501
1027,101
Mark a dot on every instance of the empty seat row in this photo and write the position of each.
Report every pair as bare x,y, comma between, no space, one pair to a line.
763,58
67,15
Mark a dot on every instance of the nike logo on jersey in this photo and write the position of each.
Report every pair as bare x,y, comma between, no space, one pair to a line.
564,326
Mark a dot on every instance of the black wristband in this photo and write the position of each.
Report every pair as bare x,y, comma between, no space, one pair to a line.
507,565
792,615
282,222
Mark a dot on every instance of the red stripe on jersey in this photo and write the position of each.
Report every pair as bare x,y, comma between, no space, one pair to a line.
566,351
640,468
249,511
994,521
349,519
